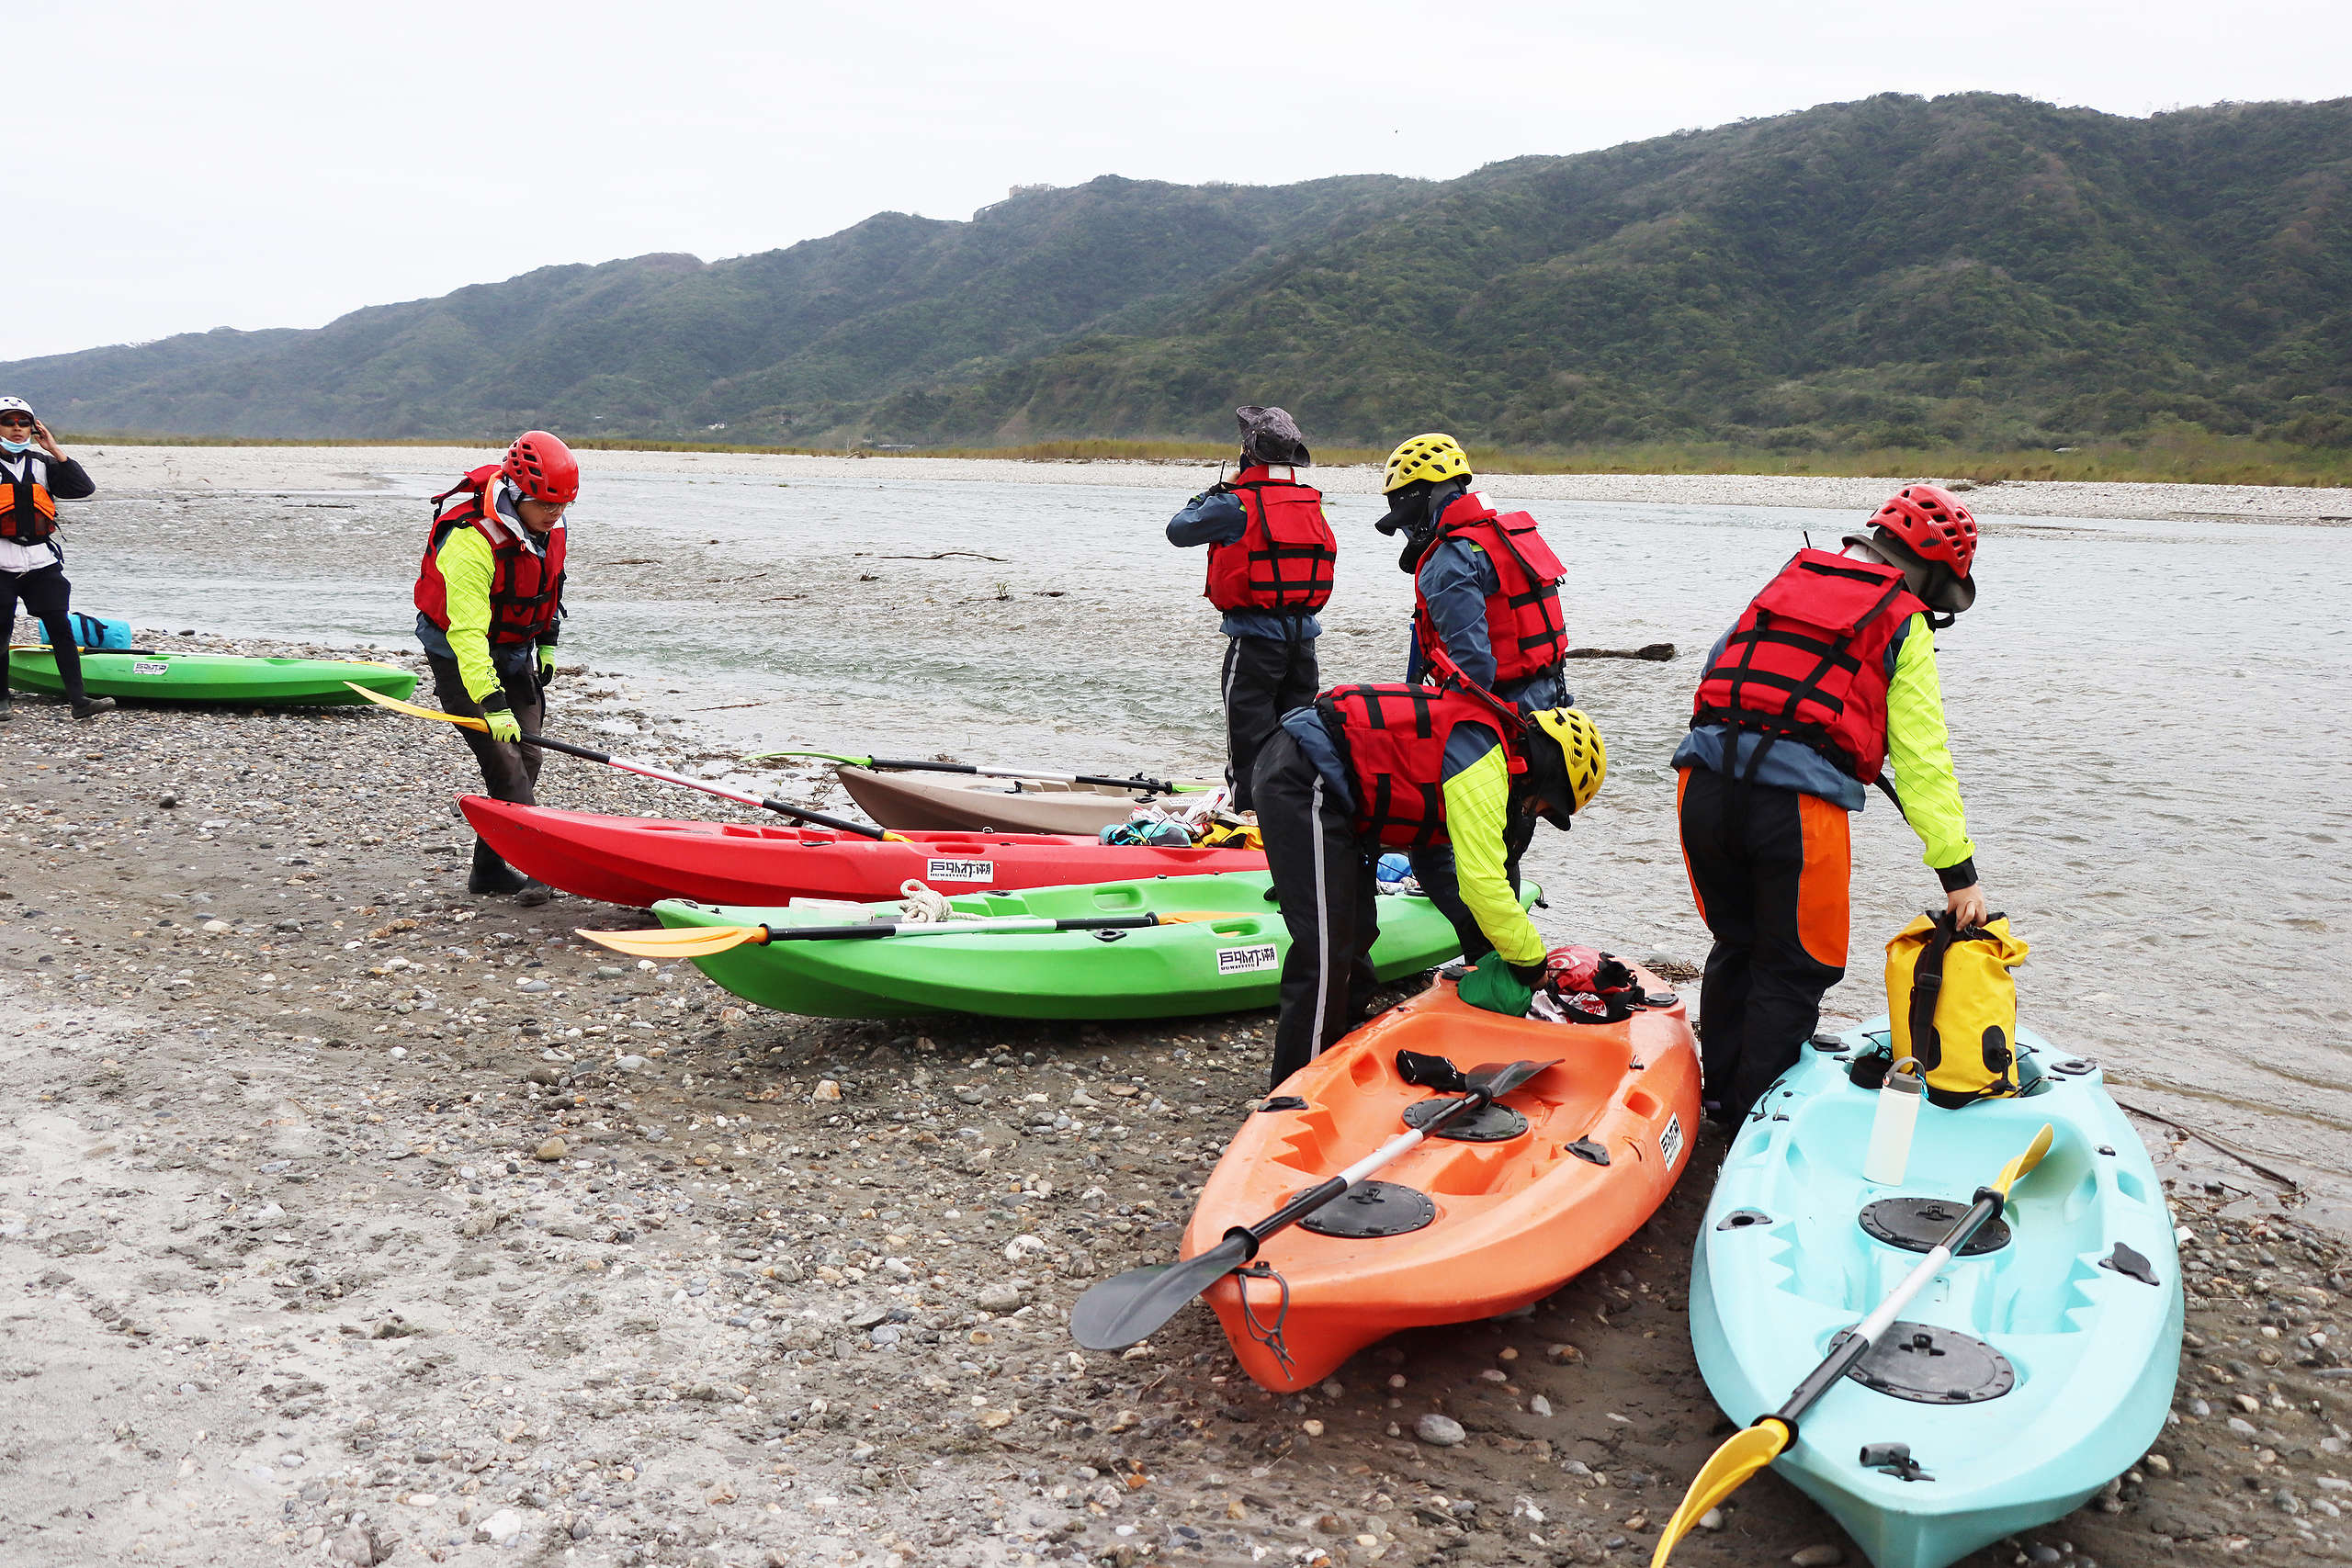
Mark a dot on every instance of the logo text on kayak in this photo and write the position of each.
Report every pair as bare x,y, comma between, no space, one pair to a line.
1247,960
961,871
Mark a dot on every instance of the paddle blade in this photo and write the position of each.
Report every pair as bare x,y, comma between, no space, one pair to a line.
1496,1080
1132,1306
414,711
1727,1470
2025,1162
687,941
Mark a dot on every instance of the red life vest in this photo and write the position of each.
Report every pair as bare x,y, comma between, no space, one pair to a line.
525,584
1283,560
28,512
1523,624
1807,660
1393,739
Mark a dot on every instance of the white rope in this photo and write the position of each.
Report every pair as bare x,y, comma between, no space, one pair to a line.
928,906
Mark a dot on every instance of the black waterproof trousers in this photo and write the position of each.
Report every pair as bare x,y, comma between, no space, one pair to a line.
46,596
1770,869
1323,880
1265,677
509,772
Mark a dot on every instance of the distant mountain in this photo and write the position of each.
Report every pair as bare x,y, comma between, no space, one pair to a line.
1975,269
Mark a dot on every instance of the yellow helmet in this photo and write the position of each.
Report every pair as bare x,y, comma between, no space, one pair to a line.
1436,456
1579,739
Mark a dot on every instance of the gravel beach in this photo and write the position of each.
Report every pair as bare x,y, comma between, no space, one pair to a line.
346,1218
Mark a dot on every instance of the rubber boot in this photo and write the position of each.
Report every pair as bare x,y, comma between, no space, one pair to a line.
8,709
492,875
90,707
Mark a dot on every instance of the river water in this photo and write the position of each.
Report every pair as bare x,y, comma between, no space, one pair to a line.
2153,721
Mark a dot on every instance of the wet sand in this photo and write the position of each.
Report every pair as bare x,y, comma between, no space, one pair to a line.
349,1218
169,470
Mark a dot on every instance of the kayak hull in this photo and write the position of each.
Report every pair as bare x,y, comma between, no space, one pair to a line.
1514,1219
639,860
1782,1267
1171,971
212,678
960,804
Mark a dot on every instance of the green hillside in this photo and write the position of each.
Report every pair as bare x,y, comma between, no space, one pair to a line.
1974,271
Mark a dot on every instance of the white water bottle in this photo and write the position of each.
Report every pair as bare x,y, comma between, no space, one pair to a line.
1892,1124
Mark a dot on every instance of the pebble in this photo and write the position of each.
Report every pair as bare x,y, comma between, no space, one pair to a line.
1712,1519
826,1089
1540,1406
1822,1556
1000,1299
554,1148
1440,1431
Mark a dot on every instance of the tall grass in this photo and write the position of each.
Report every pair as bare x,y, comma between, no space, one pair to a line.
2173,456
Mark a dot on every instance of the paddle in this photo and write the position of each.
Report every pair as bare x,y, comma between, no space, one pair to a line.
643,770
904,765
1131,1306
1759,1445
701,942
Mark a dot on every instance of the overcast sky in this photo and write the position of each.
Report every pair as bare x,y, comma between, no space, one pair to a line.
181,167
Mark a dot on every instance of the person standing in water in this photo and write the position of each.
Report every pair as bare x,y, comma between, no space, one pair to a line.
1271,560
1486,611
1827,677
35,475
489,607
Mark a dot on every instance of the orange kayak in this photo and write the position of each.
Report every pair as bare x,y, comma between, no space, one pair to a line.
1494,1214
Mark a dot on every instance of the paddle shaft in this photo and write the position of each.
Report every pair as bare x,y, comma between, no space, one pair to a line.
1314,1197
909,765
1865,1334
1003,925
893,764
740,796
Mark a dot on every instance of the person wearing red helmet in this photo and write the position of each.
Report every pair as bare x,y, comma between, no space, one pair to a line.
489,608
1825,683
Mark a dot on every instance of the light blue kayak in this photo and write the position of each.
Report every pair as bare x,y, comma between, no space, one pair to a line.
2020,1382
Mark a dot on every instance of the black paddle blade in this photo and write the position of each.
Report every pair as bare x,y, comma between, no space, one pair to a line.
1131,1306
1495,1079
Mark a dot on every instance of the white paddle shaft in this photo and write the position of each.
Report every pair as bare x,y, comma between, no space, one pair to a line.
1913,1283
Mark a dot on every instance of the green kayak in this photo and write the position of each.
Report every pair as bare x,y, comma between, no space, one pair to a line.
1156,972
212,678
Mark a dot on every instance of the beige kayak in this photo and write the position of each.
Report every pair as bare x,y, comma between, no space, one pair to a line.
948,802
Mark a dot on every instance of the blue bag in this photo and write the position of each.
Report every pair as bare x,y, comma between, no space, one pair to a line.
97,631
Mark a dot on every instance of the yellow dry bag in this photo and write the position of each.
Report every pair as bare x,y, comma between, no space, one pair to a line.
1954,1005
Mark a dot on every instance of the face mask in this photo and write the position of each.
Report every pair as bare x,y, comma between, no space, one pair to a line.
14,448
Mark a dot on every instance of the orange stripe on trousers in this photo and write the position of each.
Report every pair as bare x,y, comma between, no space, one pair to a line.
1681,787
1822,918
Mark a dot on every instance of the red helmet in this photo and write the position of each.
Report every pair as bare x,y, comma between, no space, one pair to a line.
1931,520
543,468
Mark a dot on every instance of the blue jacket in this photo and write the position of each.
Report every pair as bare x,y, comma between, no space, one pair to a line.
1455,581
1214,517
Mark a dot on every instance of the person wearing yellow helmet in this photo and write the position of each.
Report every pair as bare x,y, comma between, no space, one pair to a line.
1369,768
1486,611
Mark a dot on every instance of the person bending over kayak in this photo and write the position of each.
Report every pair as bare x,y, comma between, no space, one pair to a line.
1271,556
32,563
1827,676
489,606
1369,768
1487,604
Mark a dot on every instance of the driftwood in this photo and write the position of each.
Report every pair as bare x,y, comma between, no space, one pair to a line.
942,556
1655,652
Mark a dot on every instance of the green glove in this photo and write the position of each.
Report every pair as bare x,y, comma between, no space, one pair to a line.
547,665
1495,985
500,716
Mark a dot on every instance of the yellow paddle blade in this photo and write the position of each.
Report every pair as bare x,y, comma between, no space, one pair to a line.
687,941
1726,1468
2026,1161
414,711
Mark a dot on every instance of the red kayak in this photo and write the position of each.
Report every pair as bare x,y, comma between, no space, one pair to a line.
635,861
